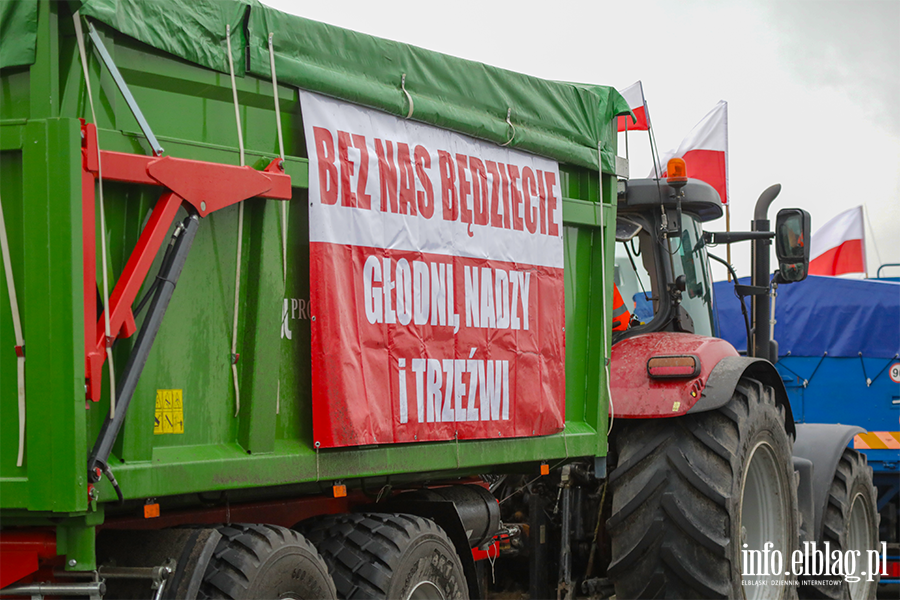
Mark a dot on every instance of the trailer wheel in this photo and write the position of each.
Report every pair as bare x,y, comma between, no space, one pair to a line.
688,493
849,523
265,561
394,556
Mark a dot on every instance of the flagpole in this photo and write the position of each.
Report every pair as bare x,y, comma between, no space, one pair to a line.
862,209
654,151
728,246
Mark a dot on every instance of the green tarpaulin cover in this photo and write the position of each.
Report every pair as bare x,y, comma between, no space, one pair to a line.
18,32
564,121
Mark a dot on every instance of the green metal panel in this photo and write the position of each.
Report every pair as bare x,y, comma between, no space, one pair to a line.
49,290
13,478
269,443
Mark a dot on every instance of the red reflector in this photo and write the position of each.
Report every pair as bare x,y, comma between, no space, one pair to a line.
492,552
669,367
893,569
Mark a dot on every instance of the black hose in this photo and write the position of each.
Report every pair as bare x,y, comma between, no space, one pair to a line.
739,296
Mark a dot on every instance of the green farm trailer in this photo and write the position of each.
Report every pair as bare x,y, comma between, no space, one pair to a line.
291,311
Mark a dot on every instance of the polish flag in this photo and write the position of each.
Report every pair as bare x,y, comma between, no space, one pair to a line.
837,247
634,95
705,151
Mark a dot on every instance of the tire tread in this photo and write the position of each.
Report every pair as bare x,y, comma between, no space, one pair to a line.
363,549
672,497
851,467
240,552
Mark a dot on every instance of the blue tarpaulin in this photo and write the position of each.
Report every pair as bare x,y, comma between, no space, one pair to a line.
843,317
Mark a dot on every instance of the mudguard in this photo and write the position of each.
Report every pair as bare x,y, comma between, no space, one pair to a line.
460,510
822,445
725,376
636,396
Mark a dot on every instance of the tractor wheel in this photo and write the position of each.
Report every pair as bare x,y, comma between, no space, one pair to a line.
395,556
850,522
265,561
691,494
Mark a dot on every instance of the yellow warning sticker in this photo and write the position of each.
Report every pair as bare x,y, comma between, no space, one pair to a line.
169,412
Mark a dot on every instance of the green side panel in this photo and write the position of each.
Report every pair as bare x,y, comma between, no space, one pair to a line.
56,433
10,196
267,442
192,29
18,32
566,122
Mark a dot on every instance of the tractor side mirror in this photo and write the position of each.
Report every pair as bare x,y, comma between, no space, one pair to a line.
792,241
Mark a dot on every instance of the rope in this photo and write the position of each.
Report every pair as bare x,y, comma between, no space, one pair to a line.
883,369
17,328
237,269
281,152
284,207
519,489
511,127
79,35
493,561
605,328
408,97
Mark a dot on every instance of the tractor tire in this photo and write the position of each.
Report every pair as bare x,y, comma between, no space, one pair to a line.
690,493
255,561
850,522
395,556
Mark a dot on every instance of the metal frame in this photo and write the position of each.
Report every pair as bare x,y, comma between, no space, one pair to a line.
204,186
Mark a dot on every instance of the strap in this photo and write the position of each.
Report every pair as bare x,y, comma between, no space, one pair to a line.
511,128
606,332
408,97
79,36
237,269
17,328
284,206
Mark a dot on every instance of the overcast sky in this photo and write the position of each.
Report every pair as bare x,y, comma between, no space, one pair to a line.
813,86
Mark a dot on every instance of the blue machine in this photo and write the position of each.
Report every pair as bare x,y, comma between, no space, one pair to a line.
839,356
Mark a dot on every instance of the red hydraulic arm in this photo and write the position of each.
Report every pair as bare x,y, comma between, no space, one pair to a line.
205,186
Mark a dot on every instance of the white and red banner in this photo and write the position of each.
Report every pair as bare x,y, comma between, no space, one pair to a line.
634,95
436,282
838,246
705,151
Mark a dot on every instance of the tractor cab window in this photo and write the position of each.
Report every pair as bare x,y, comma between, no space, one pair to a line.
635,271
689,259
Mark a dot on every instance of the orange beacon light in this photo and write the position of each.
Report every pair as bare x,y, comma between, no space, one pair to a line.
676,171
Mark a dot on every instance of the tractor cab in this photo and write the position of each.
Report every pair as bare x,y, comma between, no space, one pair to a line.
661,265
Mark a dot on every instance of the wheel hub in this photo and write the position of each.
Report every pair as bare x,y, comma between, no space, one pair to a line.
859,538
426,590
763,518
